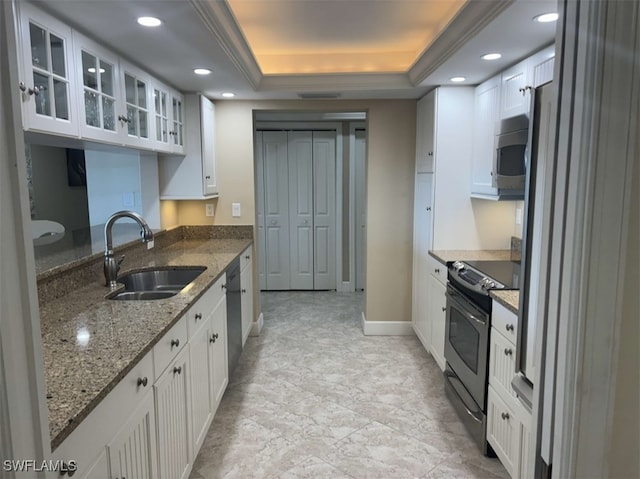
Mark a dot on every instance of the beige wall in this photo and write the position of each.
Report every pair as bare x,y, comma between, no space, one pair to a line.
391,154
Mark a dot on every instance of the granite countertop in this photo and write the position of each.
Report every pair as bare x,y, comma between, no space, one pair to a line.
445,256
509,299
89,343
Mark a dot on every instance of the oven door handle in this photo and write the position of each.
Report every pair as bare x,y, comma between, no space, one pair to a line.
449,376
463,309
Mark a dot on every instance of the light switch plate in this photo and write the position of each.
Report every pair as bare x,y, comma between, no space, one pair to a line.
518,216
235,210
209,210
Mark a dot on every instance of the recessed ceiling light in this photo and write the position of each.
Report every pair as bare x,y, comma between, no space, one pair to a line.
546,17
491,56
228,95
149,21
458,79
201,71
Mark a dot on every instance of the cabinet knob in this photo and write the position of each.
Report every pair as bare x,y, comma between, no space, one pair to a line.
143,382
430,153
247,257
437,270
244,290
213,338
175,342
428,208
207,177
198,316
508,351
224,286
505,416
177,370
31,91
509,327
444,308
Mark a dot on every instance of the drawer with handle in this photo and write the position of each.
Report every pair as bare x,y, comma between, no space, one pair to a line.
169,346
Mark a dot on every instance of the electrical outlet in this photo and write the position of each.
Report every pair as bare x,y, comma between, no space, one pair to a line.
518,216
208,210
235,210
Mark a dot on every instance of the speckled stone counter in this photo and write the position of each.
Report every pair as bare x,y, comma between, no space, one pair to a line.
509,299
445,256
89,343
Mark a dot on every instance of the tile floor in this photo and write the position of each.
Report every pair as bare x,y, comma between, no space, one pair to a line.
313,397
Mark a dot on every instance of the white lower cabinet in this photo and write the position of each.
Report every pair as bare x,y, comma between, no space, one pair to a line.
173,404
218,354
437,304
132,453
508,421
153,423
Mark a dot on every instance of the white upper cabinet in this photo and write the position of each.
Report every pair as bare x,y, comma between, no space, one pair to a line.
137,101
519,81
47,75
425,128
515,90
194,176
102,116
487,109
168,119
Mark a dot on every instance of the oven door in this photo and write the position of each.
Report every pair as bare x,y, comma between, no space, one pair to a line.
466,347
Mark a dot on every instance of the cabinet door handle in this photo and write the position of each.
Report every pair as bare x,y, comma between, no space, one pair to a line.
247,257
224,286
143,382
509,327
444,308
244,291
437,270
177,370
430,153
428,208
198,316
207,177
508,351
175,342
505,416
213,338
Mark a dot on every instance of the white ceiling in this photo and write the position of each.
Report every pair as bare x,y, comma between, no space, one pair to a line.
205,33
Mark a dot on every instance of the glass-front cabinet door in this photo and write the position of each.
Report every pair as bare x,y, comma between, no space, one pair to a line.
138,106
161,101
47,74
177,128
99,96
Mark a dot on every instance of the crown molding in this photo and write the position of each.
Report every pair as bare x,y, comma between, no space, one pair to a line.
219,19
470,20
336,81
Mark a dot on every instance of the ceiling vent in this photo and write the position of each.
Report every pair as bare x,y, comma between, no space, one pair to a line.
318,96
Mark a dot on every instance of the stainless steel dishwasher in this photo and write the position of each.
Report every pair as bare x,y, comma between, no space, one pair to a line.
234,316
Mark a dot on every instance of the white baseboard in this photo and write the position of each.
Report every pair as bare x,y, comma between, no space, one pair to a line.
347,287
257,326
386,328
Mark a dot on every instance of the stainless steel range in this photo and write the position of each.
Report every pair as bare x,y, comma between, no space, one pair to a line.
466,346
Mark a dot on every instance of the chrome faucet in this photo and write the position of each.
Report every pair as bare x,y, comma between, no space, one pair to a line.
111,266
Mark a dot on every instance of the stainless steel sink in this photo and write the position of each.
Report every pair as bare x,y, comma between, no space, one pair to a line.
157,283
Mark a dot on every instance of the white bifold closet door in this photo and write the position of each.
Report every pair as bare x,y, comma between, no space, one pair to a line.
298,181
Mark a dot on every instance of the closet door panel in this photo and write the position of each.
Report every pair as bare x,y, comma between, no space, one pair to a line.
276,210
324,204
300,153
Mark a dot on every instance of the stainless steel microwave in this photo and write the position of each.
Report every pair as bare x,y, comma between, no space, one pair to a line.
509,162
